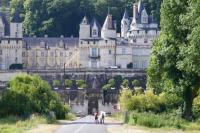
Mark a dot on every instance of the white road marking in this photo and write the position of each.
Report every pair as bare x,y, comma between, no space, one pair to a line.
79,129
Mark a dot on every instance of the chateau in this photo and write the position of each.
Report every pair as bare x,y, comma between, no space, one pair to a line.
97,46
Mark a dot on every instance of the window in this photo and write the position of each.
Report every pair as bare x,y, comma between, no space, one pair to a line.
135,64
94,32
123,50
145,40
16,60
134,40
52,54
23,54
61,54
94,52
42,54
1,52
110,52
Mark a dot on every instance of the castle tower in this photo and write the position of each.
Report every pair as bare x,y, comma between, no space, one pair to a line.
125,24
108,31
16,27
84,31
95,28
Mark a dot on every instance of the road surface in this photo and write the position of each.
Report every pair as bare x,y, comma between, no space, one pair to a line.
84,125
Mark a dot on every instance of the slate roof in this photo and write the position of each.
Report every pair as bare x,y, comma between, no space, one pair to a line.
51,41
16,18
5,18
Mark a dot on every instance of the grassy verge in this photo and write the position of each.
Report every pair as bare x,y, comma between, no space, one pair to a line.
158,121
14,124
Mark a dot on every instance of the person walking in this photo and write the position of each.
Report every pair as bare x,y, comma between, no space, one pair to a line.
96,118
102,118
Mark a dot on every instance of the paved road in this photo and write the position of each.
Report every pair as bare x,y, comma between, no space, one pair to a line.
83,125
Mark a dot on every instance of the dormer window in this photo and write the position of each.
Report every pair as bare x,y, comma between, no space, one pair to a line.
94,32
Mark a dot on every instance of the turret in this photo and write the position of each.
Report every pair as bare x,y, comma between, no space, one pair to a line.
144,17
125,24
2,27
84,31
108,30
16,27
95,28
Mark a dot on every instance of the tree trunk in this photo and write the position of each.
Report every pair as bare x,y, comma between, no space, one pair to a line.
188,101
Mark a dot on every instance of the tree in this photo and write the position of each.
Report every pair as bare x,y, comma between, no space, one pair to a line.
52,17
174,64
30,94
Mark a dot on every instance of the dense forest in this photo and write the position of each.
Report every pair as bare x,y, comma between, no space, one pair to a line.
62,17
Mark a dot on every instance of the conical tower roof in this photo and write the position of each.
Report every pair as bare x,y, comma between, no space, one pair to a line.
108,24
85,20
126,16
141,6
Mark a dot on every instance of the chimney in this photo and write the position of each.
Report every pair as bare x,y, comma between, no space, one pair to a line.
135,11
110,23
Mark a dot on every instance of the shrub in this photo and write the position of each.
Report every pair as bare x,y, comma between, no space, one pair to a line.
125,83
30,94
106,87
196,107
68,82
81,83
155,120
136,83
56,83
111,82
125,100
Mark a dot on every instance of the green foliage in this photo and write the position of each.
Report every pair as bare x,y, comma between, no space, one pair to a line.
81,84
125,83
56,83
111,82
125,100
196,107
174,63
148,101
156,120
30,94
15,124
106,87
68,82
136,83
15,103
118,81
52,17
